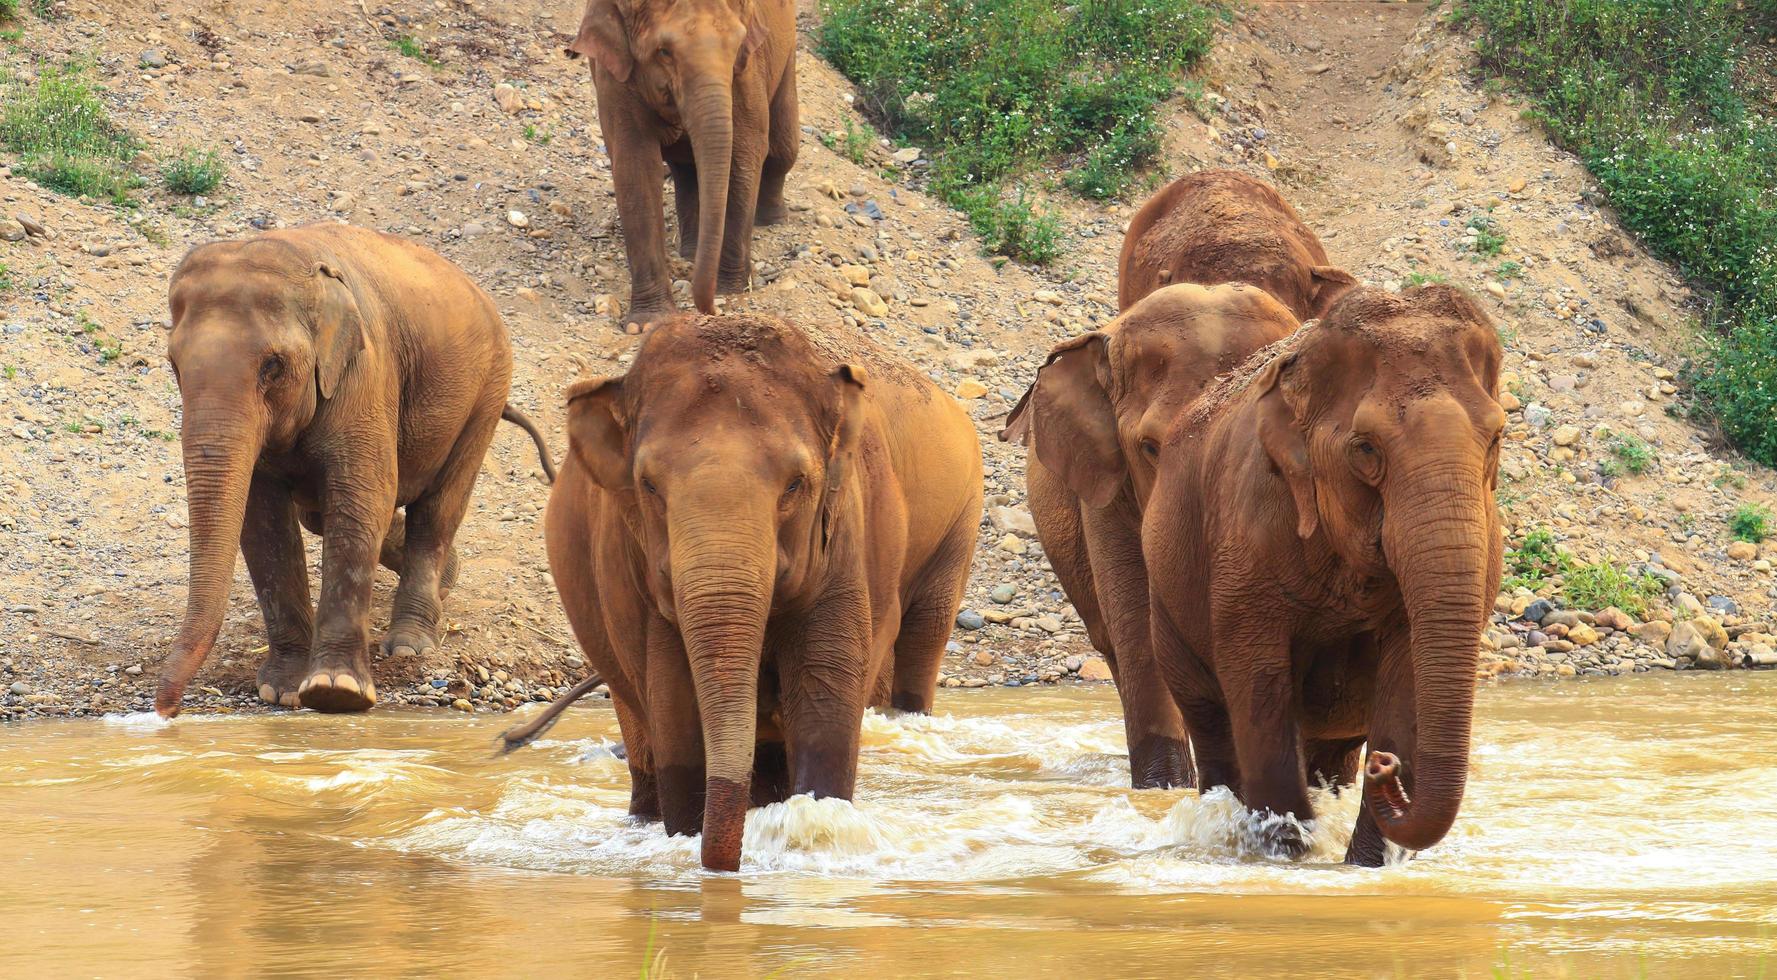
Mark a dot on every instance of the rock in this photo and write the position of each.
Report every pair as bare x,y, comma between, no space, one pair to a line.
510,99
20,688
517,219
1711,631
1004,593
32,226
969,619
871,304
1653,632
1723,605
11,231
462,704
1567,435
343,204
474,229
1095,669
975,682
856,275
153,58
969,389
1073,663
1516,186
308,116
1537,416
1613,618
1565,618
981,658
1582,635
1509,401
1048,296
1049,624
1013,544
1014,519
134,670
1743,551
1538,609
1495,289
906,154
1712,659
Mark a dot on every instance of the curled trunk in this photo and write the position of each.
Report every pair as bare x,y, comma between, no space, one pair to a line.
219,457
722,584
1442,561
710,121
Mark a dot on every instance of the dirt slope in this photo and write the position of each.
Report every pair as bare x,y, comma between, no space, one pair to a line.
1362,112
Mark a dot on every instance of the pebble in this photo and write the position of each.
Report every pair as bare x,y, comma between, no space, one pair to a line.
20,688
969,619
517,219
154,58
969,389
1013,544
868,302
1003,594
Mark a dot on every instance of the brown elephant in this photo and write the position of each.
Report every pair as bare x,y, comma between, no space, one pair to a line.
1093,420
758,533
1223,226
1323,551
329,374
708,86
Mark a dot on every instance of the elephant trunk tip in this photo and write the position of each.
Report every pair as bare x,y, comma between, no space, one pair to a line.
724,823
1382,778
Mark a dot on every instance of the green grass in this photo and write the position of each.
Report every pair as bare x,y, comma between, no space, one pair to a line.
1489,239
1602,584
9,9
1417,278
1631,453
9,372
1750,523
1509,270
1534,561
996,89
538,135
6,280
853,144
406,45
63,135
193,172
1652,96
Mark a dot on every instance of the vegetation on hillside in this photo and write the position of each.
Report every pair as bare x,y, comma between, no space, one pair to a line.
1654,96
63,135
992,88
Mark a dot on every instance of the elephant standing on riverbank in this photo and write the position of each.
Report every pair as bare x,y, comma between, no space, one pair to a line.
758,533
329,374
1093,420
1223,226
708,87
1323,550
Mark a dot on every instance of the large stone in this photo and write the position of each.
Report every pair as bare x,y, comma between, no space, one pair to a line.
510,99
969,619
868,302
1712,631
1012,544
1014,519
1654,632
1095,669
856,275
969,389
1582,635
1743,551
1567,435
1614,618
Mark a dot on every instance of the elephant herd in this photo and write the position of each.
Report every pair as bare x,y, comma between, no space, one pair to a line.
1266,489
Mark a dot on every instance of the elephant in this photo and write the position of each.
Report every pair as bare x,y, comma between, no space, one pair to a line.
1093,420
1223,226
328,375
759,532
1323,551
708,87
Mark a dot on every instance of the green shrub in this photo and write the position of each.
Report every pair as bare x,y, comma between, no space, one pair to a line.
1750,523
1632,452
193,172
994,88
1647,94
853,144
64,136
414,49
9,9
1534,561
1602,584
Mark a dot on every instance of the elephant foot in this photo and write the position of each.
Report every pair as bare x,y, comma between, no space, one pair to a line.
770,214
408,639
279,679
1160,762
688,245
1281,837
337,690
733,282
642,317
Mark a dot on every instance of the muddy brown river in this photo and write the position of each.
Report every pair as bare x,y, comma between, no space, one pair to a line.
1616,828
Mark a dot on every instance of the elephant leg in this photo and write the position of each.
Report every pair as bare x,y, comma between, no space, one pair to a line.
636,166
1253,664
1333,762
394,554
929,616
1198,696
431,529
780,155
353,526
771,760
271,540
676,730
1393,727
644,793
824,679
685,203
735,272
1158,757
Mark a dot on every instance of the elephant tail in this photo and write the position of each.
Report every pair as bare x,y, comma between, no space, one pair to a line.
530,731
517,418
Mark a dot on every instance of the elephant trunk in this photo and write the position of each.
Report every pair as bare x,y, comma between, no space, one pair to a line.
221,444
722,587
1437,544
709,118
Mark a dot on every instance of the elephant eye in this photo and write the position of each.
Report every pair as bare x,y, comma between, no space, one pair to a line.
1366,447
271,369
795,485
665,53
1150,447
648,485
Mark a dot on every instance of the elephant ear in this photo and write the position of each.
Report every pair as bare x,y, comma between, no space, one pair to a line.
749,46
1072,424
1281,434
851,380
338,326
596,435
603,39
1330,282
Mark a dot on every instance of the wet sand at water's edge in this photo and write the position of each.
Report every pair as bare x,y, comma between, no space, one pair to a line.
1613,828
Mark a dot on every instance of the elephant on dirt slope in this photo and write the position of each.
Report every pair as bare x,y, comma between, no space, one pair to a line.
1093,420
1323,551
758,533
329,375
708,86
1222,226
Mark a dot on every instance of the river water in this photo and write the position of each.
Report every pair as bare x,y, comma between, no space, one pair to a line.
1620,827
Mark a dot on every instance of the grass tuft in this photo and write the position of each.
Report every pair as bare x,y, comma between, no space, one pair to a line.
1750,523
64,136
193,172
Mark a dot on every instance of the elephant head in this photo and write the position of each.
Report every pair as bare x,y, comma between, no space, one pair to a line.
263,333
730,445
1101,404
1383,420
681,57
